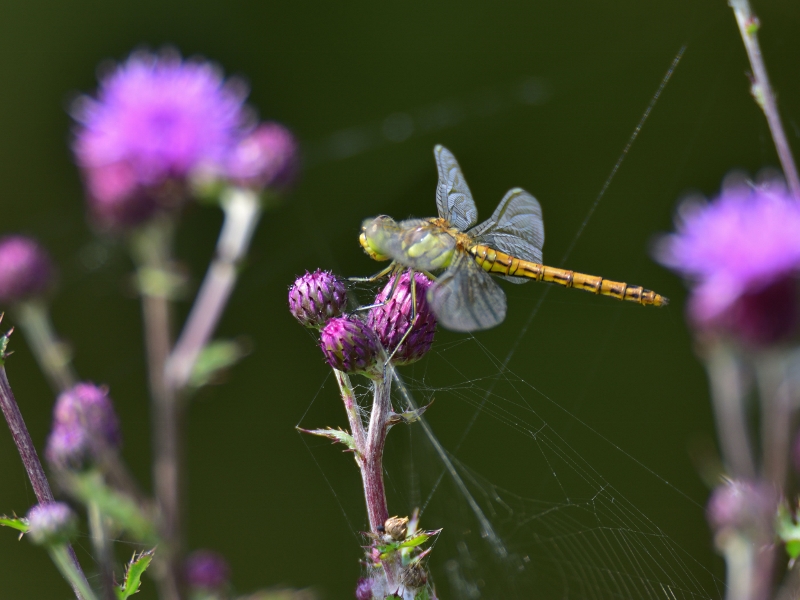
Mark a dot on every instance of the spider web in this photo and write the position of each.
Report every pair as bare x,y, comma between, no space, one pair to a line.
559,528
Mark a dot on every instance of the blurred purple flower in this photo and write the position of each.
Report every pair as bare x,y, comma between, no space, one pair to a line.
741,255
52,523
25,269
349,345
743,506
364,589
316,297
392,319
206,569
155,119
84,426
267,158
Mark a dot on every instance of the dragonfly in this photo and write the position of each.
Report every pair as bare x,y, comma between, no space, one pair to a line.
465,297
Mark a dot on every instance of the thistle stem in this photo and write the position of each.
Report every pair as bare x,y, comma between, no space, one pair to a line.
351,407
242,209
762,90
372,460
33,467
62,557
102,549
52,355
776,410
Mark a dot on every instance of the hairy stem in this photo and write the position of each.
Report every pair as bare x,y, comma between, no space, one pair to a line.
33,467
242,212
52,355
351,408
762,90
372,460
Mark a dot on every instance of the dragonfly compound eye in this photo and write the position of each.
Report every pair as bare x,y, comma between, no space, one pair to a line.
373,237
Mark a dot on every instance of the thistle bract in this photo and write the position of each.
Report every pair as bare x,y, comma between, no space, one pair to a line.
741,256
25,269
394,317
267,158
84,426
206,570
316,297
155,121
349,345
51,524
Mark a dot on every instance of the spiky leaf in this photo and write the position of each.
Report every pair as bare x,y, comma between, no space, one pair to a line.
133,574
18,523
215,358
408,416
337,435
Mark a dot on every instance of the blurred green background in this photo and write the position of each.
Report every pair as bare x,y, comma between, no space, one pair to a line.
539,95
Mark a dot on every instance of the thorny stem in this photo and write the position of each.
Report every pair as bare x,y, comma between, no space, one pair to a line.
102,548
52,355
762,90
242,211
33,467
153,252
62,557
727,395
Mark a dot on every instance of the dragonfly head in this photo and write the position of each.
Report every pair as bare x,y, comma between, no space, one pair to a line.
374,233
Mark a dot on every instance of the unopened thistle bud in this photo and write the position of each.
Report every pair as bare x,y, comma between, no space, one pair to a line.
316,297
265,159
396,528
25,269
414,576
349,345
51,524
206,570
84,426
392,319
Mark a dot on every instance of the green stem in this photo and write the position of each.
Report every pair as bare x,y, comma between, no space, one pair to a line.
351,407
52,355
61,557
102,549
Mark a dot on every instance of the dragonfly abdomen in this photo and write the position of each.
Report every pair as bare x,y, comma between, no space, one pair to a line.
494,261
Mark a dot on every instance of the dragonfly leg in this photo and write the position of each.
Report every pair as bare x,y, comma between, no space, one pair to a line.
375,277
414,315
383,273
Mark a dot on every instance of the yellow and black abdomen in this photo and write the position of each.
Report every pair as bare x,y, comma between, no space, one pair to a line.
494,261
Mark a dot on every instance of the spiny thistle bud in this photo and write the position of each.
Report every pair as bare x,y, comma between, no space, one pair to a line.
25,269
349,345
316,297
396,527
265,159
392,319
84,426
51,524
414,576
206,570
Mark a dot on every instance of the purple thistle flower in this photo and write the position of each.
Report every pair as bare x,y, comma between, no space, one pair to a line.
206,570
84,427
392,319
267,158
741,254
349,345
25,269
743,506
51,524
155,119
316,297
364,589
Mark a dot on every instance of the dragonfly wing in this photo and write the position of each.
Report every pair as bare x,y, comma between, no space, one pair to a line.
516,228
453,198
466,298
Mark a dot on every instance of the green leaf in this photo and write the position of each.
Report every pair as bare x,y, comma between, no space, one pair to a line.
215,358
18,523
337,435
793,549
90,488
133,574
422,594
419,539
408,416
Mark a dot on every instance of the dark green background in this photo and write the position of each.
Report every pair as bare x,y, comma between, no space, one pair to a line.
334,72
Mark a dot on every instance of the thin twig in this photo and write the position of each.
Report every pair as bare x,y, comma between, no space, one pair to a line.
242,211
762,90
30,459
52,355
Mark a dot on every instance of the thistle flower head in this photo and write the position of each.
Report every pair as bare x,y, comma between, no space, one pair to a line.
364,589
25,269
743,506
267,158
349,345
51,524
316,297
84,426
206,570
392,319
155,119
741,255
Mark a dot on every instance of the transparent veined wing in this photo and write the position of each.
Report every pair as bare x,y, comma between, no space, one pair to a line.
453,198
466,298
516,228
417,244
